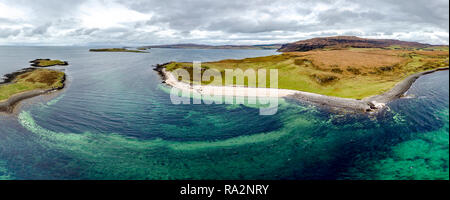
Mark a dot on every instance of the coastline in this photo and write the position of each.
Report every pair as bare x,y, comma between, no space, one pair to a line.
368,105
8,105
401,87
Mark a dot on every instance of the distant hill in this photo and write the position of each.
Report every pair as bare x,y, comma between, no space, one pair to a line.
200,46
346,42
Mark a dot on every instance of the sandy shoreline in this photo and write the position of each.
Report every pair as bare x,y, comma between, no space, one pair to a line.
370,104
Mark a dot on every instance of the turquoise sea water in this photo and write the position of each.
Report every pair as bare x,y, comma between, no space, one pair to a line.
115,120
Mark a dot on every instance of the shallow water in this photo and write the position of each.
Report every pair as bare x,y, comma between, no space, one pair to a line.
116,121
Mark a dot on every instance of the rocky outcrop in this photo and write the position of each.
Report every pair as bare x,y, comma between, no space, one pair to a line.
160,69
37,63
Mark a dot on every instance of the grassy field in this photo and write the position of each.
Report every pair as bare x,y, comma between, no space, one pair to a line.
117,50
37,79
349,73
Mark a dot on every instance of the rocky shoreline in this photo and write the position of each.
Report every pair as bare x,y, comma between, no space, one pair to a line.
159,68
400,88
8,78
368,105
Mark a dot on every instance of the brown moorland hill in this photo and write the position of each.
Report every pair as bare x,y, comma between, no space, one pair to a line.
347,42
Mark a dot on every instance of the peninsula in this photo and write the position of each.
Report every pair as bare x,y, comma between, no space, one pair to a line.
345,72
28,83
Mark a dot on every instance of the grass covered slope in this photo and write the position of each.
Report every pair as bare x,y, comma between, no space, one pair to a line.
117,50
36,79
350,73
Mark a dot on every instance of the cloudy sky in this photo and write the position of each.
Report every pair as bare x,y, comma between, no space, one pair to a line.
145,22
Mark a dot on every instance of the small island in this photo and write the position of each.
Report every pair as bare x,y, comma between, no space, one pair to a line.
118,50
48,63
28,83
348,72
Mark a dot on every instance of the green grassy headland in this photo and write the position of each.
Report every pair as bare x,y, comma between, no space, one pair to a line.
350,73
32,80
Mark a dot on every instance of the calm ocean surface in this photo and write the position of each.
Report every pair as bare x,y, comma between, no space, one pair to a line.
115,120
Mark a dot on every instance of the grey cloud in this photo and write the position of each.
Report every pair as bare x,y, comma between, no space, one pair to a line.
6,21
257,21
83,32
435,12
384,16
207,15
40,30
236,25
115,30
48,9
336,17
6,32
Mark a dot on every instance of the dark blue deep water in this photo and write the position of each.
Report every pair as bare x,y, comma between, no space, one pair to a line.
115,120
